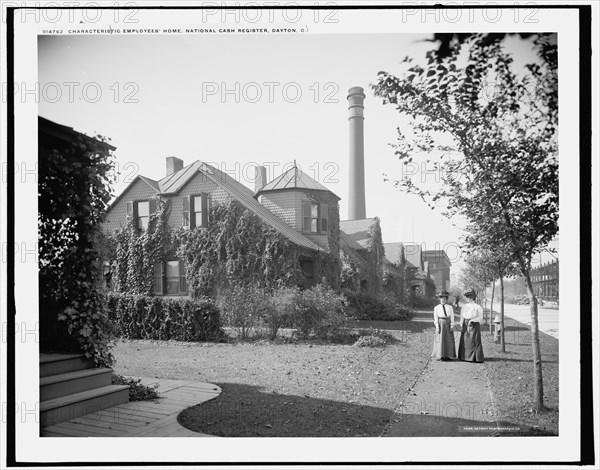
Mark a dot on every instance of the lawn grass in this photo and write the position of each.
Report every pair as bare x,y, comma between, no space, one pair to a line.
511,378
288,389
314,389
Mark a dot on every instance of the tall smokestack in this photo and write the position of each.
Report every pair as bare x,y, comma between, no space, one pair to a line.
356,199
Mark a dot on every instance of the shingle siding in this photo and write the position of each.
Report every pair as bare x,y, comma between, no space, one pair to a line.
287,205
197,185
117,214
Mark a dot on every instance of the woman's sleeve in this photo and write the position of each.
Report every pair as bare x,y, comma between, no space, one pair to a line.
479,315
435,319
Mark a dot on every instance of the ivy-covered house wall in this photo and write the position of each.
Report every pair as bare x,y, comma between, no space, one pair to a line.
116,217
158,249
362,255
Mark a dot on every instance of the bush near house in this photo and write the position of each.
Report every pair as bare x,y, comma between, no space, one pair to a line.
367,306
320,313
417,301
165,318
317,313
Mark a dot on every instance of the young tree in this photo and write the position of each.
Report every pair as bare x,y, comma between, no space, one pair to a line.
496,132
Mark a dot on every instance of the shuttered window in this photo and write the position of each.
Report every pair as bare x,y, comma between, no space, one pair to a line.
315,217
141,211
311,217
169,278
196,210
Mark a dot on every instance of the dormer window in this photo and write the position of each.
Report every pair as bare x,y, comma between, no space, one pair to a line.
196,211
141,211
315,217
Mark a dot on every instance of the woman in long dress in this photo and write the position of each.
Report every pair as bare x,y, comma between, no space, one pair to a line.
470,348
443,319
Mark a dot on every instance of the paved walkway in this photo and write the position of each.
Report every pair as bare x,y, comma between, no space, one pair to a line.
152,418
448,398
451,398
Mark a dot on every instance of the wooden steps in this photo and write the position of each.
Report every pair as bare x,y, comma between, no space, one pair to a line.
70,387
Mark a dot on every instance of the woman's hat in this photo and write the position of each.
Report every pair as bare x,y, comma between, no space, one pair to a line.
470,294
443,294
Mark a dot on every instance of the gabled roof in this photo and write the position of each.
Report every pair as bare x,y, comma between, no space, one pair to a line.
413,253
294,178
393,251
172,184
245,196
153,184
356,232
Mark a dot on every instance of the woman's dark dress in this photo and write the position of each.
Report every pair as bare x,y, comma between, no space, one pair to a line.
469,347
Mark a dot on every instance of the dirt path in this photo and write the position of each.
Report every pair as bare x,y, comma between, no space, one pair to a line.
448,399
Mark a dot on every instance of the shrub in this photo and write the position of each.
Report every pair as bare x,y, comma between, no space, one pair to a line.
418,301
374,338
280,314
244,307
319,313
164,318
137,391
367,306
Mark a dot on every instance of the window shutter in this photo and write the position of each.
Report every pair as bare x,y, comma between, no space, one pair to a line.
129,208
192,214
204,210
186,210
324,210
151,212
152,205
306,209
158,278
209,205
182,283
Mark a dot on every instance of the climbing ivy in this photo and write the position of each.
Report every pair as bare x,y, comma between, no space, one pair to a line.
133,251
237,247
73,193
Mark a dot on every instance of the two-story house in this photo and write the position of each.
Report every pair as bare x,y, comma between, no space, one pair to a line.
296,206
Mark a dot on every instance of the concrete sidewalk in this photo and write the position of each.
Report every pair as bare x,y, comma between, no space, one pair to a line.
451,398
152,418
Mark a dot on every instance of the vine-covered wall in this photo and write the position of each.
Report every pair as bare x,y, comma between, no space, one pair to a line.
363,269
236,248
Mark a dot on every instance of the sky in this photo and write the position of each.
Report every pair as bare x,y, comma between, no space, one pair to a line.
237,100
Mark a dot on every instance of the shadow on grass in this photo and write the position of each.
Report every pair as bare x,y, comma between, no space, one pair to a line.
247,411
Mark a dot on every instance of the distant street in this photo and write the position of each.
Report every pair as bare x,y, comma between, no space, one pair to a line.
547,317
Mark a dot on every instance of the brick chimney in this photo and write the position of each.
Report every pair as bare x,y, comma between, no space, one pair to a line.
260,178
174,164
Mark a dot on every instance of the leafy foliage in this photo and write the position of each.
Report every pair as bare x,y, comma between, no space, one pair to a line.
73,193
164,318
244,307
134,251
367,306
319,313
500,150
237,248
137,391
374,338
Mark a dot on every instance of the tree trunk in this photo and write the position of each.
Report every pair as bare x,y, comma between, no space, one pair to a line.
538,390
492,307
502,343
